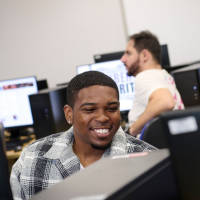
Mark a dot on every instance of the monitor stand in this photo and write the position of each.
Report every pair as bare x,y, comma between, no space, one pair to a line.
124,121
15,140
14,135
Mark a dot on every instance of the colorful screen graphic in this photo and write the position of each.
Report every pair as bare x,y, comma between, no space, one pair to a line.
117,71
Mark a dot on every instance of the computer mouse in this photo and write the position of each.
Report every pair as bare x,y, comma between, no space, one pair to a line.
18,148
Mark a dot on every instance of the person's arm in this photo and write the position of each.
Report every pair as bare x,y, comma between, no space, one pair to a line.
160,100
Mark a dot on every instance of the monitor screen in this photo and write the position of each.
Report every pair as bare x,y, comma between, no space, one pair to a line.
117,71
15,108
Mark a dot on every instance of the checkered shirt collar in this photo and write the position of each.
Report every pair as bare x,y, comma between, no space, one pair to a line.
62,148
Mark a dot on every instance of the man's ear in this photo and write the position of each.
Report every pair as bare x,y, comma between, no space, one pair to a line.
68,114
145,55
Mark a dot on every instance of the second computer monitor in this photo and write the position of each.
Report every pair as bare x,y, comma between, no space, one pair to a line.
117,71
165,62
15,110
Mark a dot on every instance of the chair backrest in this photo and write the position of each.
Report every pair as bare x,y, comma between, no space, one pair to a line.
154,134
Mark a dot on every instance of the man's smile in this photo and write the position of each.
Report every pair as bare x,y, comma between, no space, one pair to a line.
102,131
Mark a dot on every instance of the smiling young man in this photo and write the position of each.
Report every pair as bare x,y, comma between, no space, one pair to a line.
155,89
93,111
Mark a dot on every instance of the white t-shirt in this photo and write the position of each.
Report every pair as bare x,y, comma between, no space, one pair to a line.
146,83
81,167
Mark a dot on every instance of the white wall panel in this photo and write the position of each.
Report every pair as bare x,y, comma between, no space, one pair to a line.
49,38
175,22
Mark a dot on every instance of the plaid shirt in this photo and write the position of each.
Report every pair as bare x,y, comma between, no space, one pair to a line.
49,160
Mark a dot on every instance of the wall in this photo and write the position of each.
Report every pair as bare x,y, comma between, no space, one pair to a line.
49,38
175,22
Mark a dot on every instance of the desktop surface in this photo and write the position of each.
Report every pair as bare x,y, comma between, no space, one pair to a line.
139,176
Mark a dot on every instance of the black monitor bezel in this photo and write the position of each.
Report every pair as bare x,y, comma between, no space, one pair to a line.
108,57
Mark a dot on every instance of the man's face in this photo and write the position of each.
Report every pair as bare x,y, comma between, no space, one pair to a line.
96,116
131,59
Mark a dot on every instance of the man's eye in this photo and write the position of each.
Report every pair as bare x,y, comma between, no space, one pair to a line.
89,110
113,109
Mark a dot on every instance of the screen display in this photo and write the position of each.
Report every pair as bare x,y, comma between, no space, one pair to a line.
117,71
15,108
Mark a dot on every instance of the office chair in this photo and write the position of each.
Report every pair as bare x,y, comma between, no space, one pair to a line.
153,134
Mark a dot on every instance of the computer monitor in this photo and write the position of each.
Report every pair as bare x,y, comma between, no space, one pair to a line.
117,71
15,111
138,176
165,62
108,57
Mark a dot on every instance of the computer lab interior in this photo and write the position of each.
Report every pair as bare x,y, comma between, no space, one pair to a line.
44,44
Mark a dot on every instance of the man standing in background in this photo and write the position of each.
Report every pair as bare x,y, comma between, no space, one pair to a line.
155,89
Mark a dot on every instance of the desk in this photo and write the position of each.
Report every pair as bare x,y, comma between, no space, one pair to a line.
12,156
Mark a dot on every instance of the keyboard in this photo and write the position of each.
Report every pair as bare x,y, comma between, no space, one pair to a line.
11,145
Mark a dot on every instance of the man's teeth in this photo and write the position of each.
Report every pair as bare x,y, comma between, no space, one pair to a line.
103,131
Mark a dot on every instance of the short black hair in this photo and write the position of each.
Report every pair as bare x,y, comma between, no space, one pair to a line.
147,40
85,80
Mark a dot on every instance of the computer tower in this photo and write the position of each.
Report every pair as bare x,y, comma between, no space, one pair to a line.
188,85
47,110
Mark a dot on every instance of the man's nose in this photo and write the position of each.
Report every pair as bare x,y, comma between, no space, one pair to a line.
123,58
102,116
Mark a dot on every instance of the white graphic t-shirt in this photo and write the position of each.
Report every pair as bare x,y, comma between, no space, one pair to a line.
146,83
